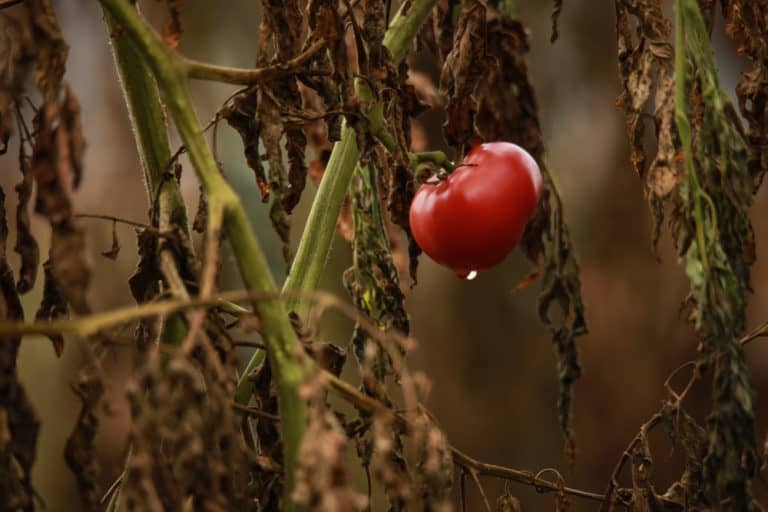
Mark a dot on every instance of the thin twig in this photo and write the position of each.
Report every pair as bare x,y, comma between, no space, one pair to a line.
479,485
759,332
461,459
113,219
256,413
205,71
614,482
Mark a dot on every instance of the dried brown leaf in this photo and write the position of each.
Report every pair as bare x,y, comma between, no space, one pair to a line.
56,166
556,10
26,244
172,29
17,55
19,424
465,68
323,479
114,251
144,284
80,451
51,49
745,21
508,503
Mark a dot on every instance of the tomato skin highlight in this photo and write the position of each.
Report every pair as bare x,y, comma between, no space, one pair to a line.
476,216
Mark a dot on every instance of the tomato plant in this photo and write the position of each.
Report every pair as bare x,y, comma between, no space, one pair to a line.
472,219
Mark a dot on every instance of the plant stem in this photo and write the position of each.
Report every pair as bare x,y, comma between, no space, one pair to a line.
286,356
404,27
150,131
237,76
321,225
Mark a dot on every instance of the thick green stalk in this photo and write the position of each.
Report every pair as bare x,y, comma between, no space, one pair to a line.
405,26
318,233
283,346
150,130
321,225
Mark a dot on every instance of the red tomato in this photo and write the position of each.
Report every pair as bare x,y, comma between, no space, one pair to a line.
472,219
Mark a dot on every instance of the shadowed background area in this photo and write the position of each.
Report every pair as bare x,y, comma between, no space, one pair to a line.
490,360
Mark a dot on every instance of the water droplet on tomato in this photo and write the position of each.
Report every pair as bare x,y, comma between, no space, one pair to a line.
472,274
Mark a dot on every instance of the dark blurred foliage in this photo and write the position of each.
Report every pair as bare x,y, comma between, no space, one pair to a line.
490,360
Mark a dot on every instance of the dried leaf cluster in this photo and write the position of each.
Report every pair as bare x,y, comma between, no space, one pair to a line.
702,179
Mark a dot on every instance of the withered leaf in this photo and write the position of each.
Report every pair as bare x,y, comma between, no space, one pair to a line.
80,451
556,10
714,242
172,29
373,281
51,49
145,283
745,21
19,424
56,165
436,466
114,250
641,59
465,68
323,479
16,60
186,440
401,191
26,244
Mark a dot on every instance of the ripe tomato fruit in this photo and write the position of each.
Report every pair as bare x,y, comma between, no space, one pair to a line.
472,219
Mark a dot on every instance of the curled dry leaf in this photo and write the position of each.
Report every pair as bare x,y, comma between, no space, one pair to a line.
26,244
323,479
50,48
16,59
56,166
645,62
172,29
436,469
145,284
387,464
373,280
114,251
270,445
465,69
556,10
80,451
19,424
745,21
186,440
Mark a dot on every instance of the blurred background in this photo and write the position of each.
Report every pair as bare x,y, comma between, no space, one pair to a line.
490,360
